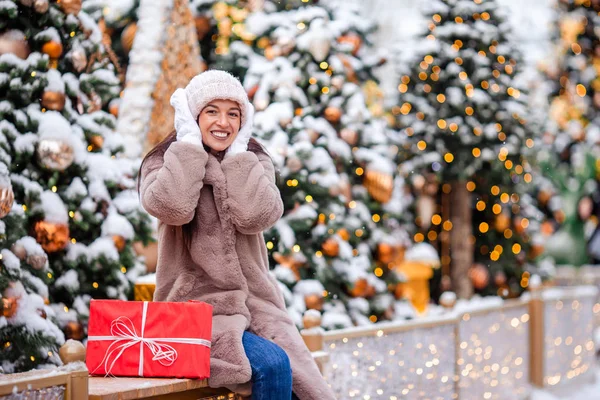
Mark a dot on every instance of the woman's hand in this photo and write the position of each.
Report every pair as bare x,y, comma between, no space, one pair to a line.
240,144
185,125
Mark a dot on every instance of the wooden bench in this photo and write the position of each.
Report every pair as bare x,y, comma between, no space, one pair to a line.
155,389
74,383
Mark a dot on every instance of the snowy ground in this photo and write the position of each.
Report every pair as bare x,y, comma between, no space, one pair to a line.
584,392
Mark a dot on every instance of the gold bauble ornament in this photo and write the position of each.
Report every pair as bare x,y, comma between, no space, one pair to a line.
314,302
202,26
51,236
127,37
70,6
448,300
72,351
319,47
502,222
331,247
14,42
53,100
96,141
150,254
119,242
479,276
19,251
38,262
79,59
333,114
7,198
40,6
349,136
379,185
74,330
337,82
55,154
113,108
294,164
352,39
290,263
311,320
9,306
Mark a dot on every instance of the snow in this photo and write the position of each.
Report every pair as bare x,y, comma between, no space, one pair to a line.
47,35
146,279
422,252
53,208
11,262
69,280
55,82
116,224
309,286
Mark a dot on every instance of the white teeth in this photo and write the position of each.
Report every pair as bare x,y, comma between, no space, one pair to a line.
218,134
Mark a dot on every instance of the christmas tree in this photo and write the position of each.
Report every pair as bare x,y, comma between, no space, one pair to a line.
308,69
465,114
70,212
568,184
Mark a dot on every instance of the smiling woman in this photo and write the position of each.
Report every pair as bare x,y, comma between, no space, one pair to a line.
212,188
220,122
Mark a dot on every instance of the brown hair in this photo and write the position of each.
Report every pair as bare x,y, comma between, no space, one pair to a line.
159,151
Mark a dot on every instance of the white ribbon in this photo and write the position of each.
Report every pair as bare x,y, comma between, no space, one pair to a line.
124,335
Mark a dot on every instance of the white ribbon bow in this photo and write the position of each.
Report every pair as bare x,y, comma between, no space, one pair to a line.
124,335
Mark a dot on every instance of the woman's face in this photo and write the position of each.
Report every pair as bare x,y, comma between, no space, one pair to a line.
219,123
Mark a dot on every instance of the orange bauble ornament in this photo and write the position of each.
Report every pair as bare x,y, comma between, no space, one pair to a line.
119,242
53,100
51,236
52,49
352,39
385,253
502,222
70,6
361,288
314,302
349,136
127,37
379,185
96,141
9,306
333,114
202,26
344,234
479,276
331,247
74,330
7,198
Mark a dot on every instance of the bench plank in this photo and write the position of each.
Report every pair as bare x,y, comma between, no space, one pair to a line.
101,388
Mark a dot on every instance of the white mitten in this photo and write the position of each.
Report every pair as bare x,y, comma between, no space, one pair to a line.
240,144
186,127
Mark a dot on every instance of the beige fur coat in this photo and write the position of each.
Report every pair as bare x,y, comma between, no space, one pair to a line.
229,204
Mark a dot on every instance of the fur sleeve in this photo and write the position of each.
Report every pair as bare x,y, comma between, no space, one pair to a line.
170,185
253,198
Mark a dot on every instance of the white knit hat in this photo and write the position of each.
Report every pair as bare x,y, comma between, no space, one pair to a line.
212,85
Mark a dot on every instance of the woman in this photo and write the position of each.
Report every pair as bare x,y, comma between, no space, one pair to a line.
213,190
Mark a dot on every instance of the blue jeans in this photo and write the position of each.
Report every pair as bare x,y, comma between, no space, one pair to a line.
271,371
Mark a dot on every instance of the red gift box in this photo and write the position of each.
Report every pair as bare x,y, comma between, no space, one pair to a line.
141,338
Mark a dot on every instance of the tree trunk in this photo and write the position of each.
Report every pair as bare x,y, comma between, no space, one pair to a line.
461,247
